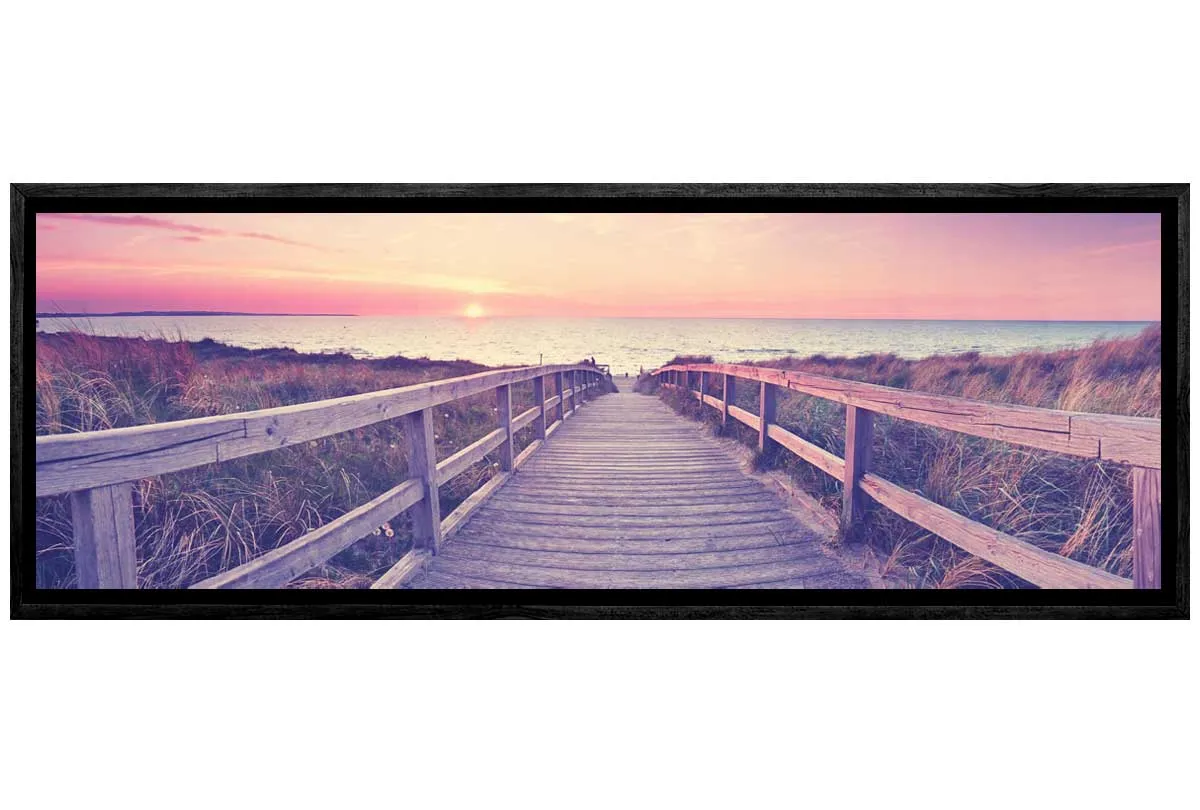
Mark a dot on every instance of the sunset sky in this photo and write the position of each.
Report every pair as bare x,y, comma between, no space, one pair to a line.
968,266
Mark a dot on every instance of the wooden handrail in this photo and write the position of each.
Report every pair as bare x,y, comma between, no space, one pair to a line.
69,462
98,466
1129,440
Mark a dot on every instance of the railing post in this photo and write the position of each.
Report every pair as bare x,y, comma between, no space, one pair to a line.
727,394
422,463
766,413
558,383
703,386
105,548
1147,528
569,378
859,432
539,398
504,414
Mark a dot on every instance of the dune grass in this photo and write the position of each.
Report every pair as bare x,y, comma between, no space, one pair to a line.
1076,507
196,523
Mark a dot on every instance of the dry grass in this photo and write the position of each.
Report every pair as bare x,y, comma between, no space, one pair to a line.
1078,508
194,524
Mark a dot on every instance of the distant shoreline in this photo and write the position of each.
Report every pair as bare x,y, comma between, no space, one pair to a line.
179,313
191,314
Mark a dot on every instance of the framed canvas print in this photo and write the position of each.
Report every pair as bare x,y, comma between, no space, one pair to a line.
599,400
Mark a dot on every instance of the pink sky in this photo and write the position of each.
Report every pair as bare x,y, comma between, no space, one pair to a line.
986,266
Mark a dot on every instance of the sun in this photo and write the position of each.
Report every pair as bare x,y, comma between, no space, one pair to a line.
473,311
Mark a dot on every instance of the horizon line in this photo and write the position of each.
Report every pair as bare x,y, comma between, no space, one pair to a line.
459,316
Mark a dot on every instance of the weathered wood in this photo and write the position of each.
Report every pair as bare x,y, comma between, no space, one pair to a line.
780,525
470,455
634,514
728,392
103,517
542,497
409,566
702,490
1040,567
576,479
1126,439
812,563
766,414
639,521
1129,439
565,459
818,457
478,498
1147,528
680,544
603,493
524,418
504,415
744,416
539,400
277,567
572,578
105,547
524,455
76,461
559,397
422,464
859,435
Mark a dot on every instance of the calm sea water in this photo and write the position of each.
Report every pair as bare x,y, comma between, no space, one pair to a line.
624,343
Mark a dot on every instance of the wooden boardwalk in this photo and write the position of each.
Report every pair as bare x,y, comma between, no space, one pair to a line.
626,494
615,491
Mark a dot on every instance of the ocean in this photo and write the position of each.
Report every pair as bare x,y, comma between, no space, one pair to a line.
626,344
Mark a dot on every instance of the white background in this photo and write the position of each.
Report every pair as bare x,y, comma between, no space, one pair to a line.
635,714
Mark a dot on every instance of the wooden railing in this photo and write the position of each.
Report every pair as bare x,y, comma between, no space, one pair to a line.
98,468
1124,439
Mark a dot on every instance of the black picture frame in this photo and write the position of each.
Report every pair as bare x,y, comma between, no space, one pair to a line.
1169,200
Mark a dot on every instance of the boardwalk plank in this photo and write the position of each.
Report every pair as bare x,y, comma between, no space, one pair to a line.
576,561
569,578
644,546
586,530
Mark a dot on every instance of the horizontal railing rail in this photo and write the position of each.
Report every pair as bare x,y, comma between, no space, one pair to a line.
97,468
1128,440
